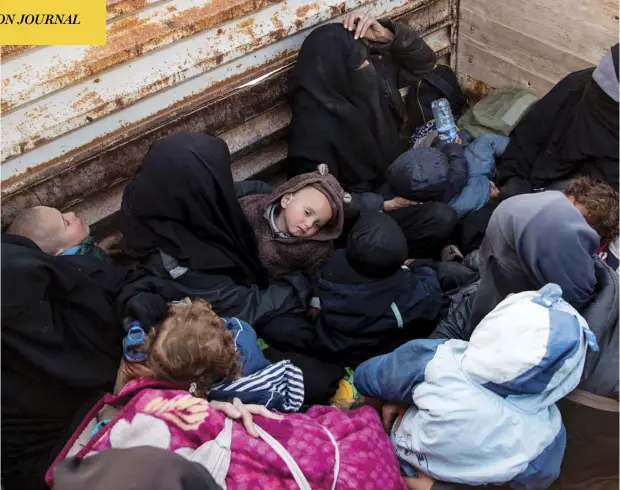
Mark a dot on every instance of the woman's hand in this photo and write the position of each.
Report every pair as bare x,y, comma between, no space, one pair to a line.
112,244
237,410
367,27
397,203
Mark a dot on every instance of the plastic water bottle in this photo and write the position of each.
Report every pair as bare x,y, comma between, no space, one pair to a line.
444,120
131,343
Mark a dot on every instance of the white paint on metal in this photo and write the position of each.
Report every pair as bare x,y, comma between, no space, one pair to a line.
188,66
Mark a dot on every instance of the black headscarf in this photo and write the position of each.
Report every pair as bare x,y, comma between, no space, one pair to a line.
572,129
342,115
183,203
61,348
138,468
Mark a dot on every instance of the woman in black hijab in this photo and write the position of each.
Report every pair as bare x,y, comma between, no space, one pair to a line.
183,203
571,131
348,113
180,214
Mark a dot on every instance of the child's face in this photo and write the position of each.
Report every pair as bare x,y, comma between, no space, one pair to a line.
68,229
305,212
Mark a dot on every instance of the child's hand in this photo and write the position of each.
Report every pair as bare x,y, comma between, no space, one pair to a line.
237,410
390,411
458,140
397,203
420,482
494,191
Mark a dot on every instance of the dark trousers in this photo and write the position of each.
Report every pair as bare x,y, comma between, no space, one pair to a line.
293,337
427,228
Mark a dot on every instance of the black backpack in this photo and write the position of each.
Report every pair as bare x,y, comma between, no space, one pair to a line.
440,83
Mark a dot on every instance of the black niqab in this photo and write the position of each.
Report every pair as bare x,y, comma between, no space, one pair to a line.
341,114
572,129
183,203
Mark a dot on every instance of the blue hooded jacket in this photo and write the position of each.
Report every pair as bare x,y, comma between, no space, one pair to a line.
483,411
480,156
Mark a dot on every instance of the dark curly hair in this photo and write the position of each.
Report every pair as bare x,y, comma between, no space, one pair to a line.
192,345
598,202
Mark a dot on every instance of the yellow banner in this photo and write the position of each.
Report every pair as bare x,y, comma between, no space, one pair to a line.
48,22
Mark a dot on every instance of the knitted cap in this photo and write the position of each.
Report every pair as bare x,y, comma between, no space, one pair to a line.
376,247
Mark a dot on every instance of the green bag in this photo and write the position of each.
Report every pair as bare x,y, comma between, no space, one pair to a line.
499,112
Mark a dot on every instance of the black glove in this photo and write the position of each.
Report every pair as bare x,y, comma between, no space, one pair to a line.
147,308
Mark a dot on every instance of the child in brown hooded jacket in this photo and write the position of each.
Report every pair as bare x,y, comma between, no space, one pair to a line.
296,225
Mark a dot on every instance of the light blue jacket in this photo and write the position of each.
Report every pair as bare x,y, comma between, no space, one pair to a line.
483,411
480,156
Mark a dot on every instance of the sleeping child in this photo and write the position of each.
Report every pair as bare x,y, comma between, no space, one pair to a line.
295,226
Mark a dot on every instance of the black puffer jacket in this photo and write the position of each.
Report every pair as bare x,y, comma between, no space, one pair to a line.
289,294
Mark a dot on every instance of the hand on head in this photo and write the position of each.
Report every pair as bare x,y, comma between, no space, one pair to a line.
367,27
53,231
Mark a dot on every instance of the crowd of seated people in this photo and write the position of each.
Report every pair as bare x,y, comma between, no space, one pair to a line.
331,332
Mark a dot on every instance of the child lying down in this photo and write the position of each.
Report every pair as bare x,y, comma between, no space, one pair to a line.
218,358
324,448
483,412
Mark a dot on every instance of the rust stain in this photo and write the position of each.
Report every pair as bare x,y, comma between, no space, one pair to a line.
301,12
246,24
8,51
220,31
118,7
87,99
276,35
299,24
172,8
124,25
276,21
5,106
337,10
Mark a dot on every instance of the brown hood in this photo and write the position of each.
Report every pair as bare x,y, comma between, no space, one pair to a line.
329,186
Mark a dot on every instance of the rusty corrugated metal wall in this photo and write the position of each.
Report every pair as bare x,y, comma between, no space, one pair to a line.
76,120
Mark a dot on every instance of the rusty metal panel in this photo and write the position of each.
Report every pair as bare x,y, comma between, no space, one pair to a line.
183,45
77,119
